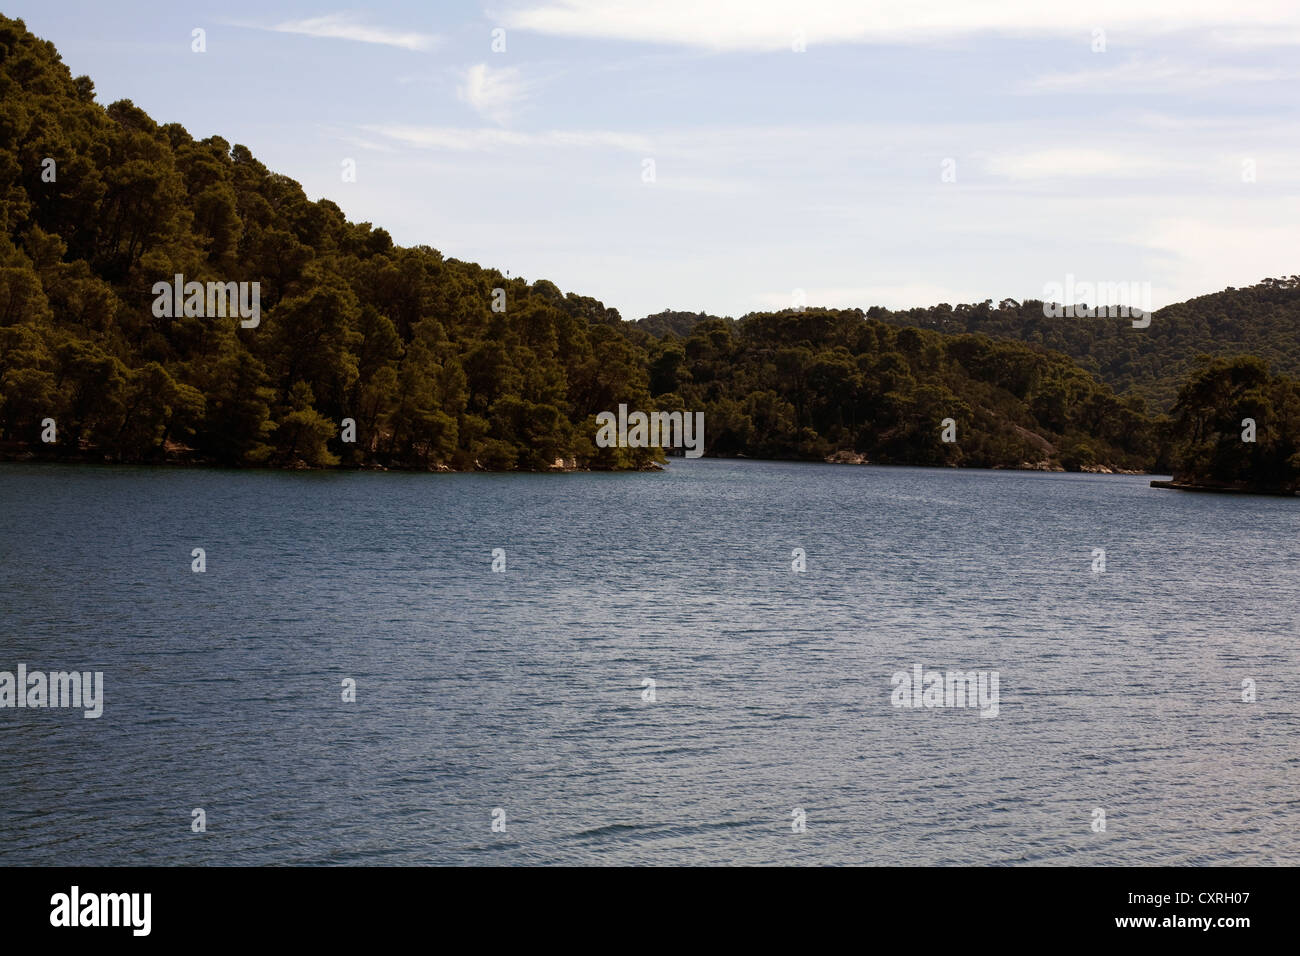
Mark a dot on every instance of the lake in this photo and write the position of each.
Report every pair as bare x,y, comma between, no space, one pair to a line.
775,734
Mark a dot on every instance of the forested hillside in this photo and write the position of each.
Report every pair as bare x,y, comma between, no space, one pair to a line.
1151,362
1237,427
445,364
808,384
402,341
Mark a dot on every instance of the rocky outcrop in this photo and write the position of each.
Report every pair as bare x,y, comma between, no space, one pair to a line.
847,458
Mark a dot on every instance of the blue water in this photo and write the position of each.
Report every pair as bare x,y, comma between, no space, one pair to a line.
523,690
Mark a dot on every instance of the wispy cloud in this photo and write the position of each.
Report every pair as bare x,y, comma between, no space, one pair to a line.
346,26
485,139
493,93
773,24
1158,76
367,144
1074,163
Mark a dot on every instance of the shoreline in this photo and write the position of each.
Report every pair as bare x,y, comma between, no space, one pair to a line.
1221,489
569,466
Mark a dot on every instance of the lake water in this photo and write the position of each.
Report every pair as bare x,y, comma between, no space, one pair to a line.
523,690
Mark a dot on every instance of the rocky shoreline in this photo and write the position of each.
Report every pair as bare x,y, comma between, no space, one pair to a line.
853,458
181,459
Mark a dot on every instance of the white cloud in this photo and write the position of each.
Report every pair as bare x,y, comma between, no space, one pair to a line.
345,26
1234,245
360,143
1258,37
706,185
1074,163
493,93
487,139
1138,198
584,139
1159,76
771,24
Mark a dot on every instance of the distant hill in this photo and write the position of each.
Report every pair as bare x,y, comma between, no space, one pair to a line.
1152,362
832,383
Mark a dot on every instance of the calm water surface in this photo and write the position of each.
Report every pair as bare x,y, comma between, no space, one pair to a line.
523,690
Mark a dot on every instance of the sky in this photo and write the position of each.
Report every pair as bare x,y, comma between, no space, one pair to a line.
737,155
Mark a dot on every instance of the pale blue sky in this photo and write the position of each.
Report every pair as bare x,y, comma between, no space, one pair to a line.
775,170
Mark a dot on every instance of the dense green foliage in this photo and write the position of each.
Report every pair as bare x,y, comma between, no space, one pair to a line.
402,341
810,383
669,322
99,204
1151,362
1213,445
